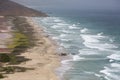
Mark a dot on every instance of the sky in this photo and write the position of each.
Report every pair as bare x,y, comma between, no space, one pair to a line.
73,4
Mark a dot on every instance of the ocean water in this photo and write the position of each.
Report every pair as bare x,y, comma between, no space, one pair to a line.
91,39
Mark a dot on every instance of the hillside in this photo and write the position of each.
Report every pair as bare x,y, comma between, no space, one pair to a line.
10,8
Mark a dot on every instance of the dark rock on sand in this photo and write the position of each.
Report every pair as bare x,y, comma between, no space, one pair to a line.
63,54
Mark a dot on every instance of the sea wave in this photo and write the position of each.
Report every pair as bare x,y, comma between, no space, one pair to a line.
109,73
84,30
77,58
94,41
114,56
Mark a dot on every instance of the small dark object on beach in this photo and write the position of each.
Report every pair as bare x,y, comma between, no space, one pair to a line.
63,54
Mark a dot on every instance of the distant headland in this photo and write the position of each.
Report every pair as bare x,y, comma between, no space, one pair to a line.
10,8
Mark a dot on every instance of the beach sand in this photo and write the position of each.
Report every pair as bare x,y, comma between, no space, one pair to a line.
43,58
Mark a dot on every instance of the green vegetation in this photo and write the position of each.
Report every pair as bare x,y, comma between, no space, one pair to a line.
1,76
4,57
8,58
13,59
20,41
7,70
13,69
23,27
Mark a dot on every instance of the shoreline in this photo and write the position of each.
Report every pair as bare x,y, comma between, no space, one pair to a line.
43,58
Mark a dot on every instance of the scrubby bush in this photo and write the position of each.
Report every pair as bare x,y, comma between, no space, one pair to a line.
12,69
8,58
13,59
9,69
22,26
19,41
4,57
1,76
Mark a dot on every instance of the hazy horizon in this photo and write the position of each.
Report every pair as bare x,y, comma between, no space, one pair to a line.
111,5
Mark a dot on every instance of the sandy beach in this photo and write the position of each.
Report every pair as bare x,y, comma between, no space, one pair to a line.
43,59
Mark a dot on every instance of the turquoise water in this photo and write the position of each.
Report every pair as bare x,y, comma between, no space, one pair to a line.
92,40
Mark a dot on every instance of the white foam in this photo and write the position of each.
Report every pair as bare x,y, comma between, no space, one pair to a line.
105,71
55,38
111,40
99,46
84,30
55,26
66,61
115,65
73,26
65,39
65,45
91,38
97,75
62,35
67,31
94,41
63,68
77,58
57,20
48,19
114,57
87,72
62,24
111,60
100,34
109,73
88,52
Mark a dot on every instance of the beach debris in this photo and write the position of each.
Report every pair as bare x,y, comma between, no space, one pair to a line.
63,54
